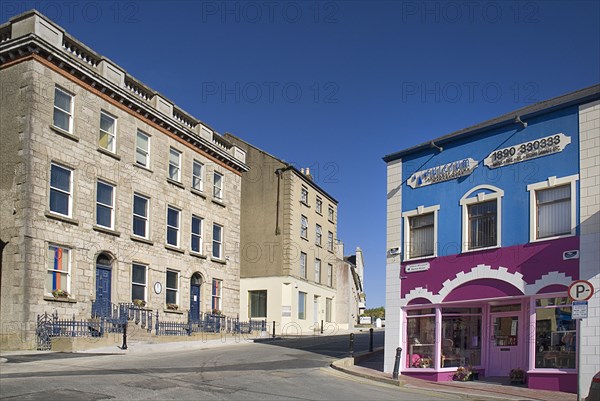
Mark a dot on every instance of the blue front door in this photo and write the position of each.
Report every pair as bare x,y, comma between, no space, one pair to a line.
103,275
195,302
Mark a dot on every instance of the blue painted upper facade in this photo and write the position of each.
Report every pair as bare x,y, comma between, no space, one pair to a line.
512,179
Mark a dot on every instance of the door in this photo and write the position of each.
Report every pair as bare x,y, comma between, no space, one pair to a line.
195,302
103,285
316,312
506,344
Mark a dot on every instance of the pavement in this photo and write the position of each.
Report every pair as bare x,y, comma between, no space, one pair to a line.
367,365
370,366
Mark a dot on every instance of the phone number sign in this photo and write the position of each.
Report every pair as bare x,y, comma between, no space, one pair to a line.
527,150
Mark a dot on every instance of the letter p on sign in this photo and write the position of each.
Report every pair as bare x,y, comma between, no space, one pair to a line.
581,290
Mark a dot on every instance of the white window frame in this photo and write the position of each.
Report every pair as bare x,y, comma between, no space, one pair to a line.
317,270
69,193
304,195
144,285
303,303
144,152
319,205
197,181
51,268
330,241
551,182
329,275
304,226
176,228
109,207
303,261
146,218
330,213
318,235
176,166
167,288
218,241
419,211
113,134
218,297
68,113
467,200
193,234
218,189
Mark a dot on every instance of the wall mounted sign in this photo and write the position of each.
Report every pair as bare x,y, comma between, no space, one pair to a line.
419,267
286,311
527,150
441,173
157,287
579,310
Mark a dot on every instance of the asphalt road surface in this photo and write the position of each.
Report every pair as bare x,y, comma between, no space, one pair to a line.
288,369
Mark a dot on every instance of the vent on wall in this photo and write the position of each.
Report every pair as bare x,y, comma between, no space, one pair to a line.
568,255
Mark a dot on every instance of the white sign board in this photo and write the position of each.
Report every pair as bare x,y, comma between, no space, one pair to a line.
286,311
419,267
441,173
527,150
581,290
580,310
365,320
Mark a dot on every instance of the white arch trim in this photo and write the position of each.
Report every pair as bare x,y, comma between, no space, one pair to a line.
483,272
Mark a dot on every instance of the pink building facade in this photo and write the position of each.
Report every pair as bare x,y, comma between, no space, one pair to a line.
487,227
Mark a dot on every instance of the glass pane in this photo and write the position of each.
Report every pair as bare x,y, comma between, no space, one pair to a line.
140,158
196,223
505,308
421,340
461,341
462,311
195,243
216,232
138,292
174,157
139,226
62,100
554,211
482,224
216,250
139,274
139,206
104,140
197,169
61,119
142,141
258,304
103,216
107,123
171,236
59,202
556,335
416,312
171,297
171,279
104,194
552,301
173,217
506,331
60,178
301,305
173,172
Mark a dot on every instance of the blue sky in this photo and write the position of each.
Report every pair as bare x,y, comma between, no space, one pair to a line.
336,85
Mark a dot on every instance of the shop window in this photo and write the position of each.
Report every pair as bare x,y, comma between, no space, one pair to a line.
461,337
555,334
420,334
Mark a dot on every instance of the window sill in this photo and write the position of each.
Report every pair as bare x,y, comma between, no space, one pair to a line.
141,239
305,204
480,249
174,248
330,250
197,192
533,241
143,168
174,312
419,259
59,217
319,213
218,202
318,245
109,153
176,183
64,133
197,255
304,238
54,299
106,230
219,261
331,221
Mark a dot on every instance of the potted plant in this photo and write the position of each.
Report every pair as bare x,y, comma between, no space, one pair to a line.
462,374
139,302
216,312
60,294
517,375
172,306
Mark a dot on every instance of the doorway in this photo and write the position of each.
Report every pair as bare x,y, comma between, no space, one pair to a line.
507,345
195,286
103,281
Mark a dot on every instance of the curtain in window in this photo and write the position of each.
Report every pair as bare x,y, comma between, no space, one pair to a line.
421,235
554,211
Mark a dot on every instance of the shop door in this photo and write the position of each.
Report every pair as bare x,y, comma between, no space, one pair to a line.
506,344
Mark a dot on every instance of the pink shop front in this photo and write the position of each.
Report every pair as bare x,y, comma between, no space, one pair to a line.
493,311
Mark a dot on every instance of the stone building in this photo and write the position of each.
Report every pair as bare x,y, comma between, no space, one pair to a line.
350,300
109,190
288,254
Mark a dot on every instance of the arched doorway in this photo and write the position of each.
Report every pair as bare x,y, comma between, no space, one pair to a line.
195,285
103,280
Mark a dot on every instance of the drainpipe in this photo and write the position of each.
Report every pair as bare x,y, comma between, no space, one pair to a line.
279,172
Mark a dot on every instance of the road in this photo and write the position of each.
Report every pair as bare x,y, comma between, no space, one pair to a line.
290,369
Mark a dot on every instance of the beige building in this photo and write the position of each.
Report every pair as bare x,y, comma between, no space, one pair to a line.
288,252
350,300
108,190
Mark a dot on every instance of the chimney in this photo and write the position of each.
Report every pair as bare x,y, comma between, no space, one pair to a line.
308,174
